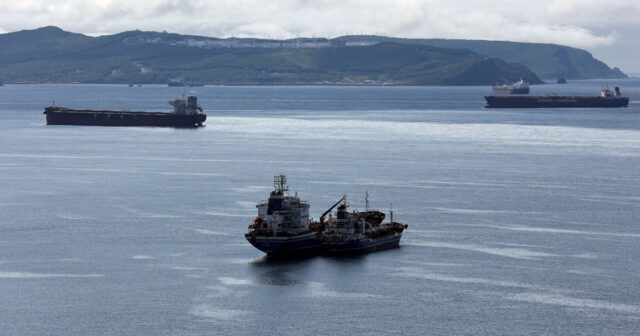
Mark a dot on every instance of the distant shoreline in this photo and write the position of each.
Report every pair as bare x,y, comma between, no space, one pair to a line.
359,84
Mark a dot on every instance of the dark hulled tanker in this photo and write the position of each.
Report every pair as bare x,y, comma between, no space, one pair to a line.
607,98
186,113
359,231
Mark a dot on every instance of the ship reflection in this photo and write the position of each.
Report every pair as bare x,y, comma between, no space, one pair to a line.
275,271
278,271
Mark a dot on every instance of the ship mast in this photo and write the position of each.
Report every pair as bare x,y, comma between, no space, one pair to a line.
280,183
366,200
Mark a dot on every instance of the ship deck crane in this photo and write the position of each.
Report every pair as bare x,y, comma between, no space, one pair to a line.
331,208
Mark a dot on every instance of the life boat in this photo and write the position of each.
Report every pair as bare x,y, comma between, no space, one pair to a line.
256,222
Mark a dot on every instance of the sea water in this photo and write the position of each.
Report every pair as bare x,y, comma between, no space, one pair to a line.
521,221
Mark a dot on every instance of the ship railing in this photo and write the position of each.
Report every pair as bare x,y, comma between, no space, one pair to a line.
268,232
342,237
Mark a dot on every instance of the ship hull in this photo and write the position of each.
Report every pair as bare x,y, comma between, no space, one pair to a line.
57,116
363,245
293,246
553,101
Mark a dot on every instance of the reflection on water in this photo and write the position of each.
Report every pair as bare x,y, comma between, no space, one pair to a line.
278,271
277,277
275,271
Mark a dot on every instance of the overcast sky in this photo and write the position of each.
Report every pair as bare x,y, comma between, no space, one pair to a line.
609,29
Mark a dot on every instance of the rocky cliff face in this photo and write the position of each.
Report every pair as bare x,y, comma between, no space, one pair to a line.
548,61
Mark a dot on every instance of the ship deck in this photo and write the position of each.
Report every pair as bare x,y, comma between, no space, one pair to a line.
68,110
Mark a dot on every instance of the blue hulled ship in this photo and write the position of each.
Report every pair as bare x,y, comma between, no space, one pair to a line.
282,225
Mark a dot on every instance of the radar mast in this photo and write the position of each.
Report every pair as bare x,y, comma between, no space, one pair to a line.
366,200
280,183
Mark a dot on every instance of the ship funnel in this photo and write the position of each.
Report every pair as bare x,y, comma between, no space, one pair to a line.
618,92
192,104
342,212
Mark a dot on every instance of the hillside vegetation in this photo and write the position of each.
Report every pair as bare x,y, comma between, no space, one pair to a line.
51,55
548,61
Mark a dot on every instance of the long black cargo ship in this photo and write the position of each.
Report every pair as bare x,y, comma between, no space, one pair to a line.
607,98
186,113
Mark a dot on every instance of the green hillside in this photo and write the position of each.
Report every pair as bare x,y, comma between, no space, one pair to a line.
50,55
548,61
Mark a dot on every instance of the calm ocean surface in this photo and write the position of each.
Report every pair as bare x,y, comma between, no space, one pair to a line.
521,222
